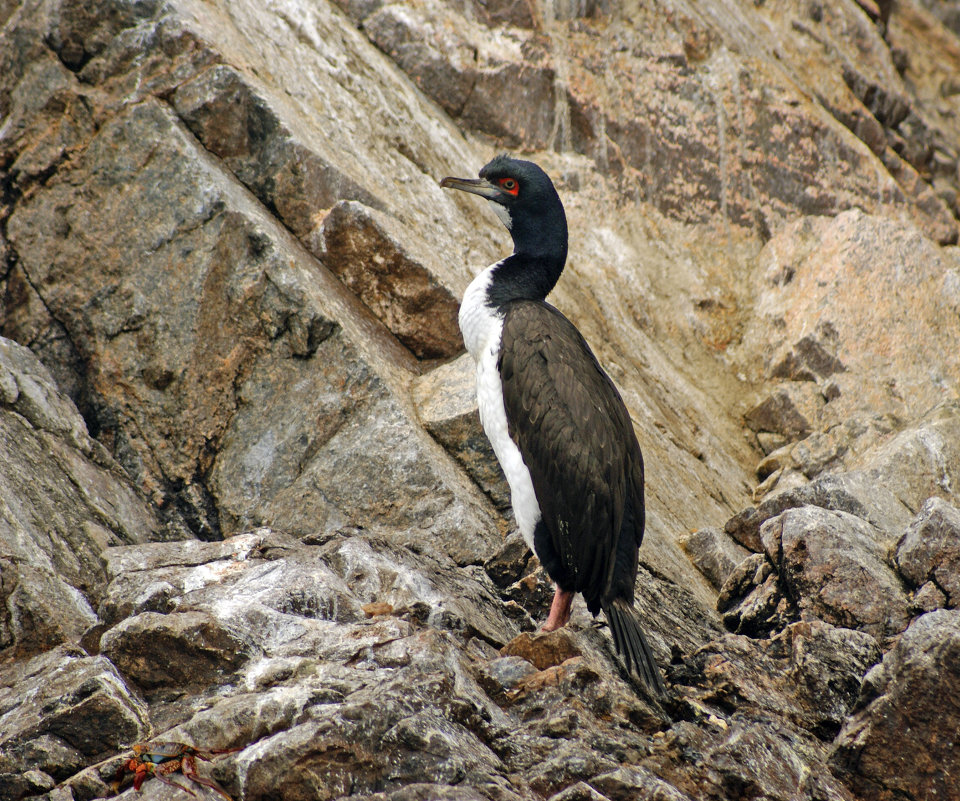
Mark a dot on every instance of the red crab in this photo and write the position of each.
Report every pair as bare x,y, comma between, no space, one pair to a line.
162,758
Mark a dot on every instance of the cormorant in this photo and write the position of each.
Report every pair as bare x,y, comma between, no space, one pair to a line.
555,419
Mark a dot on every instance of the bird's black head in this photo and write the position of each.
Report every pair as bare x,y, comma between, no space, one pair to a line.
526,201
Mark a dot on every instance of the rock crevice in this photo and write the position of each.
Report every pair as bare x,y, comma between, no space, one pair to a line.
245,499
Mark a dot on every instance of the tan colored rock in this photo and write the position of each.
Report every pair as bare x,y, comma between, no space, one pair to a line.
939,221
888,295
175,178
544,649
363,248
377,608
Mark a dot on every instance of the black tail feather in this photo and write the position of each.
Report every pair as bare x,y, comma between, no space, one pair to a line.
632,645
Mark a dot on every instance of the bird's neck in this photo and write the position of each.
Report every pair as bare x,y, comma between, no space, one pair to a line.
523,276
539,253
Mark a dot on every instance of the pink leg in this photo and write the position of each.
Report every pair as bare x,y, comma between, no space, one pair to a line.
190,771
559,610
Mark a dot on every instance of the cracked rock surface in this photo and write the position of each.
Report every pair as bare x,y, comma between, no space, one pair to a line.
245,500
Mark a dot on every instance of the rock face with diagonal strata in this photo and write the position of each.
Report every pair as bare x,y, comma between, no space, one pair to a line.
245,500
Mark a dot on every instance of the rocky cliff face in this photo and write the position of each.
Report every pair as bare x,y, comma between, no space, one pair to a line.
245,502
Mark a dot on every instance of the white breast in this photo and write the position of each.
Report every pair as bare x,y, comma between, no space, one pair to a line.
482,329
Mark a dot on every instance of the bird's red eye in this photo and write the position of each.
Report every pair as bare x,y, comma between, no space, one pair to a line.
509,185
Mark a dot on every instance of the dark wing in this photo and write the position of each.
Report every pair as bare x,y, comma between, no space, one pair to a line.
578,443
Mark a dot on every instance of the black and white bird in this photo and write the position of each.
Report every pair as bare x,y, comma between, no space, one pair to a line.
555,419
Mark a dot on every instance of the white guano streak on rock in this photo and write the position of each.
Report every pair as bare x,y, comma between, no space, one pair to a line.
406,584
211,573
934,444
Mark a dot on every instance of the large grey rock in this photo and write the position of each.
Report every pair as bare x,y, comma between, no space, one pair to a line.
421,583
221,229
337,752
831,565
357,458
855,492
63,500
447,404
900,740
429,723
566,764
65,705
929,550
152,577
262,596
764,760
825,666
269,464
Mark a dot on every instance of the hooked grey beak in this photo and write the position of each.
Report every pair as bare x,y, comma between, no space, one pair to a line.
476,186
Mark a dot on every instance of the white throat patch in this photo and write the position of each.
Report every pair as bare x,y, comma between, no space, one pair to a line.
502,213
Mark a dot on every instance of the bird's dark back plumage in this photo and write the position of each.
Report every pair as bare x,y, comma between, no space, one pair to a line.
576,439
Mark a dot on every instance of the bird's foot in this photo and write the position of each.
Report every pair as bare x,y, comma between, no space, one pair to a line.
559,610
